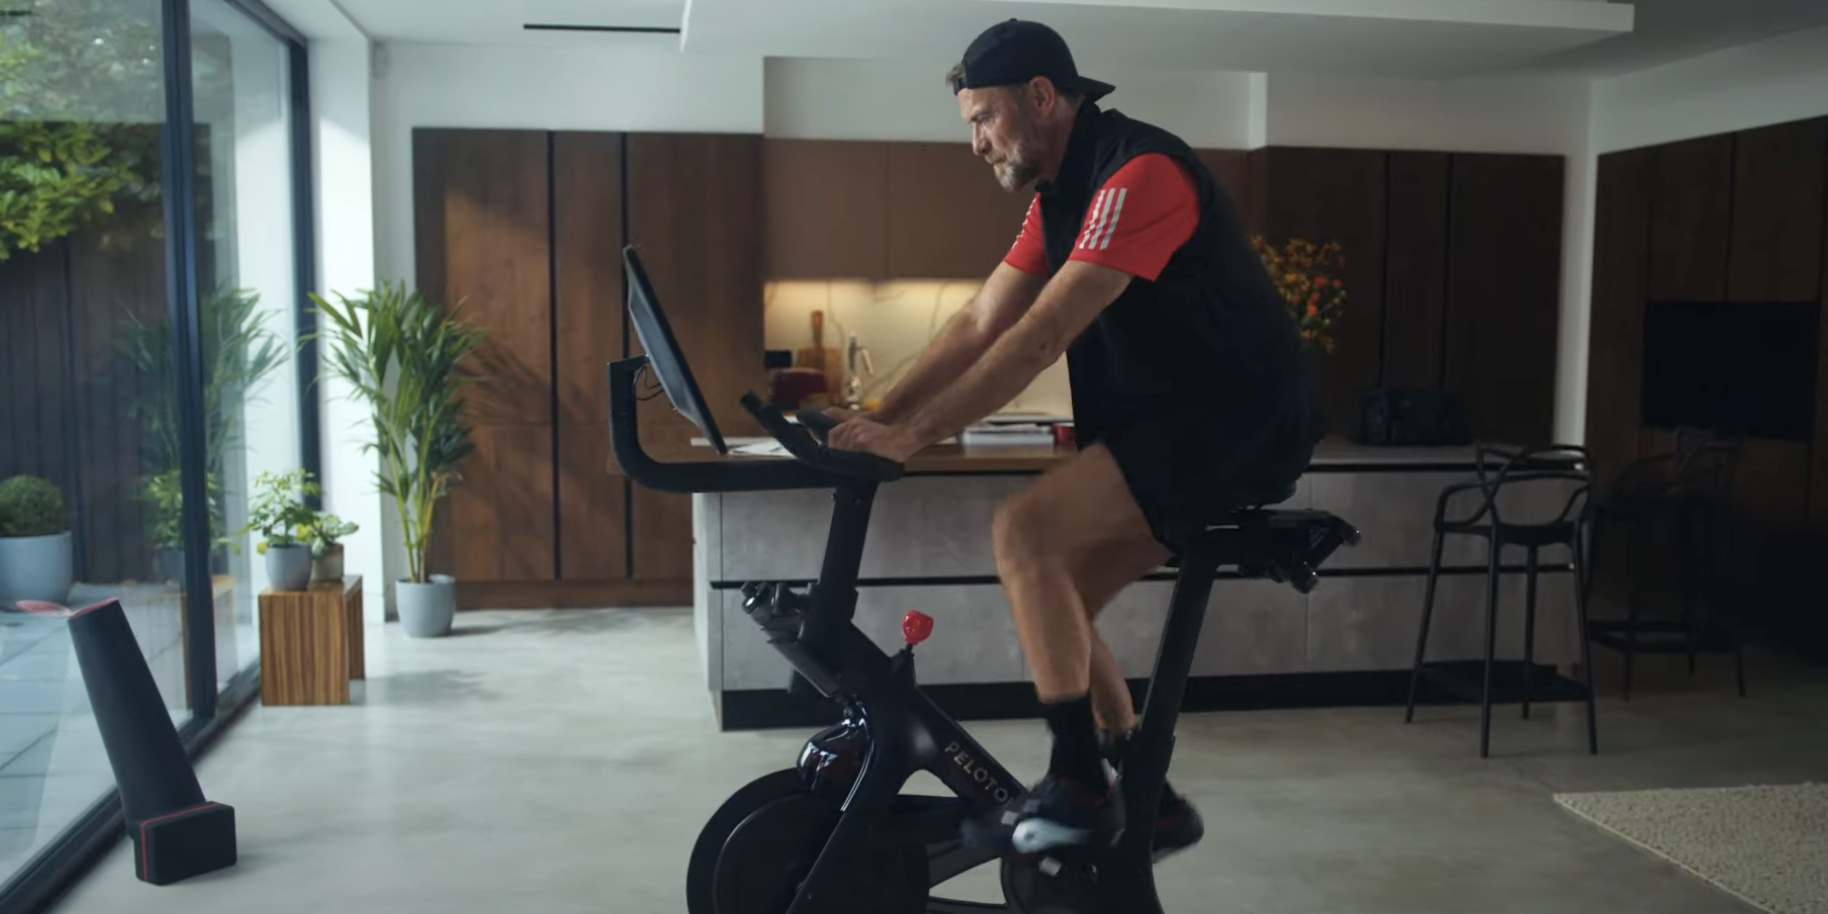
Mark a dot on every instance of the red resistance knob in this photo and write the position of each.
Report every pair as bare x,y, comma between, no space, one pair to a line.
916,626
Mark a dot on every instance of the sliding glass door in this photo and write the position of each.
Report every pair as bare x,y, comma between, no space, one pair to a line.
151,298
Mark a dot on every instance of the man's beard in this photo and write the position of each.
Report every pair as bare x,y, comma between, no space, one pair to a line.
1015,174
1020,168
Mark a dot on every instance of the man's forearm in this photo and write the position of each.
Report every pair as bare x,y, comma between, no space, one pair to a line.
1071,301
960,342
1005,370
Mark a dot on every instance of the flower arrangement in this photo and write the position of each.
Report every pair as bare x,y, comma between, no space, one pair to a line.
1308,276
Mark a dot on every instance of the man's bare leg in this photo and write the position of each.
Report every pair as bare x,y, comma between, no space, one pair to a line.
1077,515
1064,549
1100,579
1047,537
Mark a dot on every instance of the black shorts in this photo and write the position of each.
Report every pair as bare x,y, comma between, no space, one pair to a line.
1187,472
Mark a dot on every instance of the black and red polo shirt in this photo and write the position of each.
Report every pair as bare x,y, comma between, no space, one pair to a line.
1200,333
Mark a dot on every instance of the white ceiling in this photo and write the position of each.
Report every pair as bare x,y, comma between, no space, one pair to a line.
1416,38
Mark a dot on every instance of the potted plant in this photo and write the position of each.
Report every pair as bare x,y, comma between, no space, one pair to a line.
407,358
164,498
325,535
35,545
279,513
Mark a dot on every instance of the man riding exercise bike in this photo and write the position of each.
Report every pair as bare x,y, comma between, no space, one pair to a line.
1190,395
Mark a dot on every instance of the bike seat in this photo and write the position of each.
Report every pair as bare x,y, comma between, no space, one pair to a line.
1286,546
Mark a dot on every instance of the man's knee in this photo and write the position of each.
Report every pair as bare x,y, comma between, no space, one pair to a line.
1020,529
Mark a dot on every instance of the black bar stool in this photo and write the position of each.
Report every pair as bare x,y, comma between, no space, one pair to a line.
1498,472
1681,491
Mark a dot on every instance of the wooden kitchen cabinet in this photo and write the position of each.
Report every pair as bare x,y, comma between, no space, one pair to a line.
825,209
883,210
948,218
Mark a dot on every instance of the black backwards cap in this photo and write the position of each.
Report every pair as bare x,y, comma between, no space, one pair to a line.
1017,51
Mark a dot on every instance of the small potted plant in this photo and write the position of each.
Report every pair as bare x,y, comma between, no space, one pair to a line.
284,522
326,535
164,498
35,545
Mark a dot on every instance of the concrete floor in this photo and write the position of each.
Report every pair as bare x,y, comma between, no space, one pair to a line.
561,762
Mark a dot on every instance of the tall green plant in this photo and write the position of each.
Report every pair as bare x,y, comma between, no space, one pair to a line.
238,351
406,357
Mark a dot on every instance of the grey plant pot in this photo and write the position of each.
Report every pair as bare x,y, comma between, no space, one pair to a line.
427,610
170,564
289,566
330,566
36,568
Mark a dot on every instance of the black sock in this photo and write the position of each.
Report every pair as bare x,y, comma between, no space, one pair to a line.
1115,744
1076,754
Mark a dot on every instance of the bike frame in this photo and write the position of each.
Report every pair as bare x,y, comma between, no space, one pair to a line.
907,732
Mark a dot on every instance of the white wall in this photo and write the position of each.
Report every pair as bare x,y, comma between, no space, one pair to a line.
899,100
1536,115
1769,82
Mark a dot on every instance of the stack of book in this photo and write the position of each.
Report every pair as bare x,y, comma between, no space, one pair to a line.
1013,430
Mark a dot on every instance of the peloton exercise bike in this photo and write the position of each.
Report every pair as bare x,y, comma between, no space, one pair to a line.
833,834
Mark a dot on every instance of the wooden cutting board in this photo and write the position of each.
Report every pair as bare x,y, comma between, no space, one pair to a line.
818,356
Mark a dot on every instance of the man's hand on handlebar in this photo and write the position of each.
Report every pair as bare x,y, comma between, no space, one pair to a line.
894,442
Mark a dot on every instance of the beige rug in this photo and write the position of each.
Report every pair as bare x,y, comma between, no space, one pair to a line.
1765,844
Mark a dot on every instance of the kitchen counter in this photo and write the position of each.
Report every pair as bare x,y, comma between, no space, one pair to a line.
1332,454
1350,641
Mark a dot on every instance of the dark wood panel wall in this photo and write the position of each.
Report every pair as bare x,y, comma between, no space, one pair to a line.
1737,217
65,388
694,214
524,228
483,204
1453,272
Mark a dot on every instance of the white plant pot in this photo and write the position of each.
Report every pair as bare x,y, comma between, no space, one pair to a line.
427,610
36,568
289,566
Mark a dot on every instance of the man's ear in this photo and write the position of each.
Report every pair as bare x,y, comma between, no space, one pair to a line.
1042,94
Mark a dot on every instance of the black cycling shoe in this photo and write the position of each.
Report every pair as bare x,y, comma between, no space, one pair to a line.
1177,824
1058,812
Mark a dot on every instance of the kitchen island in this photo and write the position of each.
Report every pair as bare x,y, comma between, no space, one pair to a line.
1349,642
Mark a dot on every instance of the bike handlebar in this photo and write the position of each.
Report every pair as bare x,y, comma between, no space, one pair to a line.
806,442
814,466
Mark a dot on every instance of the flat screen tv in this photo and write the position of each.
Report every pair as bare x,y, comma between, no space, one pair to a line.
1746,366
